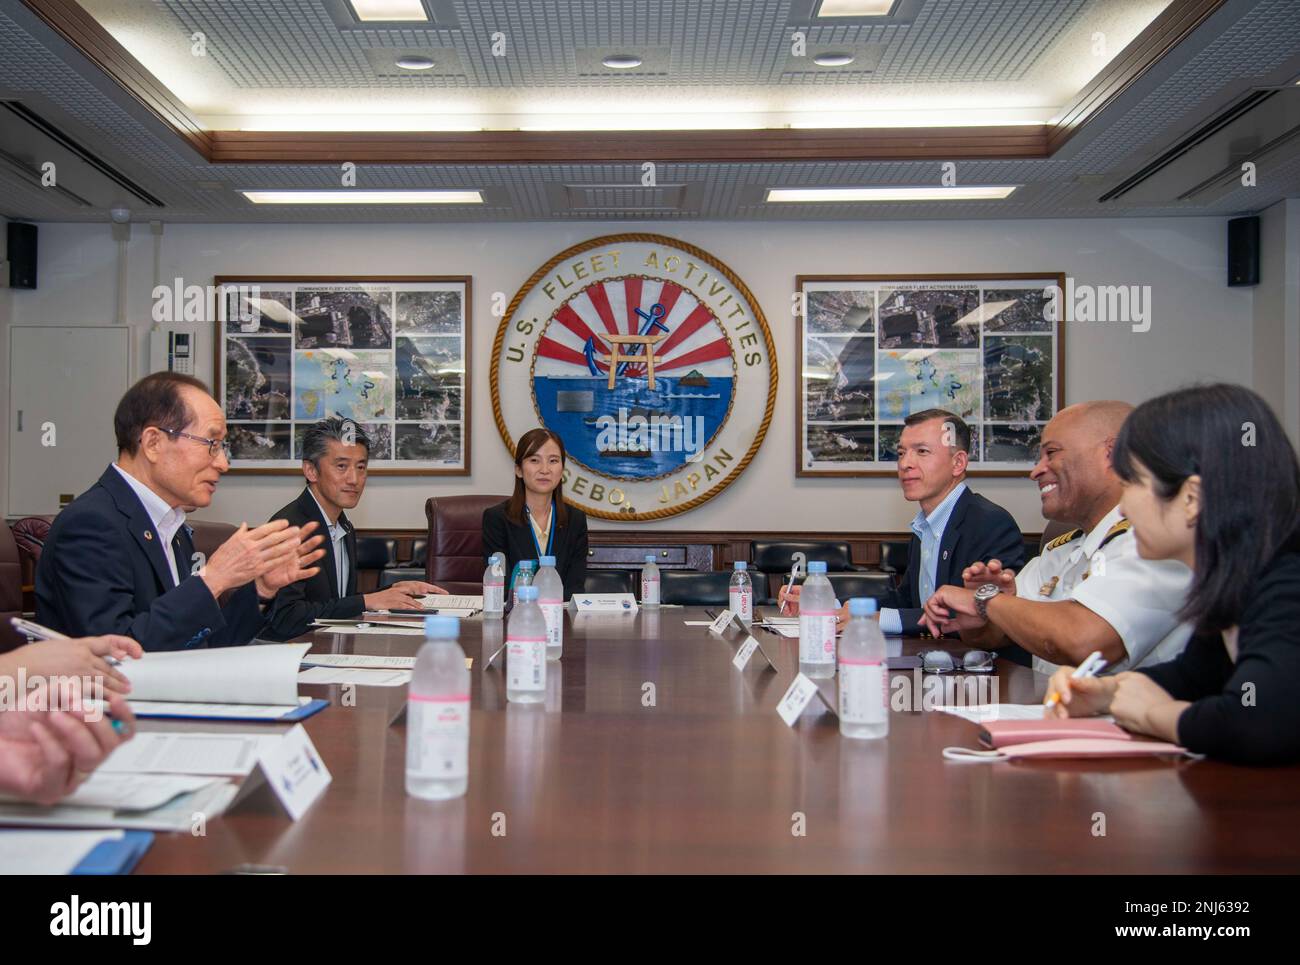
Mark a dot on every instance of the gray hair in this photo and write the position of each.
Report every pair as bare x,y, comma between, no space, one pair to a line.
315,441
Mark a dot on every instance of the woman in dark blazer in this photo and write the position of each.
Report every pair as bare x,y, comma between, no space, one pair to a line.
535,521
1210,479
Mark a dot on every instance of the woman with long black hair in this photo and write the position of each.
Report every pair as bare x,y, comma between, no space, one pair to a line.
535,522
1211,479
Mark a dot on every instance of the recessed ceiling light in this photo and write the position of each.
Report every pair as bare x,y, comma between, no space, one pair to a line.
347,196
854,8
971,193
836,59
389,10
413,62
622,61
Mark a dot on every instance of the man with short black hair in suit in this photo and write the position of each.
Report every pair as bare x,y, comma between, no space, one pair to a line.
120,559
335,459
954,526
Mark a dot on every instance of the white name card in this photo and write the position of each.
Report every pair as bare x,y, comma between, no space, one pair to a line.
797,698
295,771
722,622
604,602
751,644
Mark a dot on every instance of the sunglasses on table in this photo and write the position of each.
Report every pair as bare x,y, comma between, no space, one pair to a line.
942,661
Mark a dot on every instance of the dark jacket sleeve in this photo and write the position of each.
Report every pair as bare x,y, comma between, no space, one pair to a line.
1247,713
292,613
495,539
574,576
88,575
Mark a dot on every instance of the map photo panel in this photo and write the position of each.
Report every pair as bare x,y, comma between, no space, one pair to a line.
388,354
875,349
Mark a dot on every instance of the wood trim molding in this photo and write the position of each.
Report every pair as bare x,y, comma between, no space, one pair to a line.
1162,35
68,19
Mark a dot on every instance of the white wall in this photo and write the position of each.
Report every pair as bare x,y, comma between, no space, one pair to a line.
1200,330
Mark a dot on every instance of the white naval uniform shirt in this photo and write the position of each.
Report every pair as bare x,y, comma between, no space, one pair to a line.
1136,596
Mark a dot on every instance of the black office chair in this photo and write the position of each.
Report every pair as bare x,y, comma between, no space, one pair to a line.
893,556
773,556
608,581
848,585
693,587
376,553
397,574
419,552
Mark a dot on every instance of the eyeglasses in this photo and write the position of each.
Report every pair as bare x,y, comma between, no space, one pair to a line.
972,661
214,445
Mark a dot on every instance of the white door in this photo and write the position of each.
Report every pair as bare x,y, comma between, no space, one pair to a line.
64,385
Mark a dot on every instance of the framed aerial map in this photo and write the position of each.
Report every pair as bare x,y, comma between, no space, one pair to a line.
873,349
390,353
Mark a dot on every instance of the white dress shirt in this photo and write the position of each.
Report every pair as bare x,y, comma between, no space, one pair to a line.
929,529
167,520
337,536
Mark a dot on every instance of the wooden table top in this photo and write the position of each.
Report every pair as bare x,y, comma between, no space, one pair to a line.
705,777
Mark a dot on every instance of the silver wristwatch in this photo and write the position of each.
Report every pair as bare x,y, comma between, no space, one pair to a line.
982,596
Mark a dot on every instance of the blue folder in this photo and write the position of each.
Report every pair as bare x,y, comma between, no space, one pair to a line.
298,713
116,857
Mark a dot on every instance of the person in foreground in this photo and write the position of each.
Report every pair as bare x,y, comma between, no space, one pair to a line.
535,522
954,527
335,457
119,558
53,737
1210,479
1088,589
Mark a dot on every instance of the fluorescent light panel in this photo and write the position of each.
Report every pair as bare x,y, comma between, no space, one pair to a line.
968,193
391,10
854,8
348,196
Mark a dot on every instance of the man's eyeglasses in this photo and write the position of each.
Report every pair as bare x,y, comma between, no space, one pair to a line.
972,661
214,445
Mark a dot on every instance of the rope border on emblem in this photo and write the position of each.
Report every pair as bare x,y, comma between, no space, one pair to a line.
535,277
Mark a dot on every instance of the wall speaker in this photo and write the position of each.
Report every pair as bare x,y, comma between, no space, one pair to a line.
1243,251
22,255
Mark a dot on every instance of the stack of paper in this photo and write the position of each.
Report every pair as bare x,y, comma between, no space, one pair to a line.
71,852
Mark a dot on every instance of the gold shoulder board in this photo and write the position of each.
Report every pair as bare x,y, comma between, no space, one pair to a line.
1065,538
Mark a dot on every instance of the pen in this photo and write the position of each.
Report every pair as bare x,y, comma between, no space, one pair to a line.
38,632
1093,665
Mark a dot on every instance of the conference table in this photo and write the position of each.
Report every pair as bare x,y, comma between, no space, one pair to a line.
653,753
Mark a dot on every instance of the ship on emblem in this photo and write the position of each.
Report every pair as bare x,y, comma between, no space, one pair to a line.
650,422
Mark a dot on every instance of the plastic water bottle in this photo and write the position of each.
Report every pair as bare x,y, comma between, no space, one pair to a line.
494,587
817,611
864,678
650,582
550,597
740,594
437,715
523,577
526,650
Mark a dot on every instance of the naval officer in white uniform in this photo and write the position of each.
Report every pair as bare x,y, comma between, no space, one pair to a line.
1089,589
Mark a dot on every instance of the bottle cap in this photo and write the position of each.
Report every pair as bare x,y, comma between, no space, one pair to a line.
816,566
441,627
862,606
649,557
527,564
741,565
527,594
546,561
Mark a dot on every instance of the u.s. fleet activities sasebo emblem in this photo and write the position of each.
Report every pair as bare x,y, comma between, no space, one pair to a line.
652,361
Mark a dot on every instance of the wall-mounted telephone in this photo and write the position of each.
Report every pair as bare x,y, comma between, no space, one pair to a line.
171,350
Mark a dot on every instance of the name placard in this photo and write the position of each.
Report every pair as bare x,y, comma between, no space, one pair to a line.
603,603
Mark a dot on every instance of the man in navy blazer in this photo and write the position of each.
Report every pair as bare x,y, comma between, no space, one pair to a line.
119,558
954,526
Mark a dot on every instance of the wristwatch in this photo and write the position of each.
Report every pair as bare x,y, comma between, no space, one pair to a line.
982,596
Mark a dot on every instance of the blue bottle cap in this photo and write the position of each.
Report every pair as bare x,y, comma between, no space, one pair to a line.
546,561
862,606
741,565
527,564
649,557
527,593
816,566
441,627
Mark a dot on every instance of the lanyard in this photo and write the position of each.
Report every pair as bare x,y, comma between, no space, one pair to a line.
550,538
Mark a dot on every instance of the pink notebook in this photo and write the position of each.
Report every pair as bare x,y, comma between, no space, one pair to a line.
1004,733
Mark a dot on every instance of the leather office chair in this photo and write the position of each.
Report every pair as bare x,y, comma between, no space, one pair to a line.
893,556
376,553
396,574
419,553
695,588
848,585
11,590
455,546
610,581
773,557
30,534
